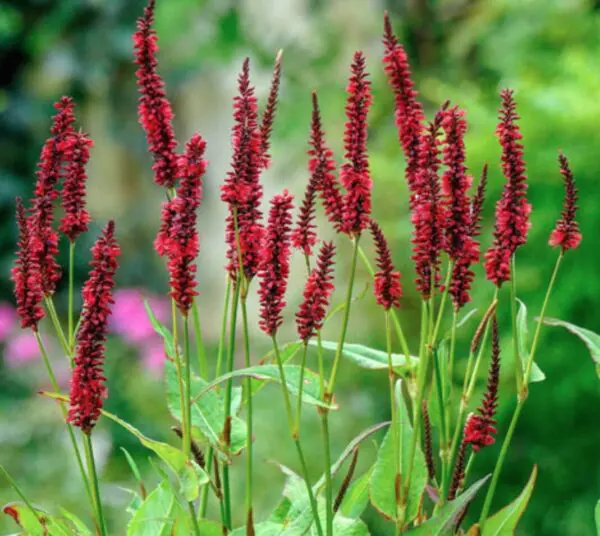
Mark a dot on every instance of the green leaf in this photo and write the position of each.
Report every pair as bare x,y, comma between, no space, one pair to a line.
38,523
79,526
597,516
155,516
369,358
310,393
267,528
442,523
208,413
591,339
191,476
132,465
210,528
357,497
536,374
505,521
343,526
382,482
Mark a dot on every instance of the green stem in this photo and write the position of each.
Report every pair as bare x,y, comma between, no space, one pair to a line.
180,383
328,483
296,431
93,475
71,286
221,349
515,330
200,351
57,327
204,491
321,365
443,425
187,445
248,385
442,303
15,486
194,519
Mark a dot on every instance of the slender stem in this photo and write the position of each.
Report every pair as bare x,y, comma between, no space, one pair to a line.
194,519
221,349
321,366
328,483
63,409
443,424
15,486
71,285
187,445
296,431
442,303
93,475
447,447
290,417
178,367
515,330
200,351
248,386
57,327
204,491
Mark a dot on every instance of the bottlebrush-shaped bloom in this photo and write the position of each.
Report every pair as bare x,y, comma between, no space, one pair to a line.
566,232
266,125
458,475
354,174
513,210
155,112
88,382
317,292
242,190
275,263
480,428
428,214
322,168
182,245
76,217
304,236
409,116
56,151
386,287
26,276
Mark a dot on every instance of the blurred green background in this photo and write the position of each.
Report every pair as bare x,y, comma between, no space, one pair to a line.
463,50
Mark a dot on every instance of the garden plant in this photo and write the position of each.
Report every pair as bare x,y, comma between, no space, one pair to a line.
421,477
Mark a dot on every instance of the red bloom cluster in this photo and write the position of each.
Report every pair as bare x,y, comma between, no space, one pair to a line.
566,232
178,237
275,263
266,125
429,214
304,236
76,217
87,382
477,203
354,174
317,291
322,167
387,287
242,190
480,429
154,111
55,152
513,210
408,110
26,276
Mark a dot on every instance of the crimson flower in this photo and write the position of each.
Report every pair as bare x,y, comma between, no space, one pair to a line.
266,125
154,109
387,287
76,217
354,174
275,263
513,210
26,276
88,382
566,233
480,428
304,236
317,292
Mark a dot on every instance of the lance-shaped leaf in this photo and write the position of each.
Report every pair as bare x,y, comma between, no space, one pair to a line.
382,483
357,497
161,330
505,521
80,528
155,515
370,358
536,374
591,339
442,523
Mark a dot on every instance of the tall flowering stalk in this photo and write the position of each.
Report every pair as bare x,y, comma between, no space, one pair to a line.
566,234
386,284
268,117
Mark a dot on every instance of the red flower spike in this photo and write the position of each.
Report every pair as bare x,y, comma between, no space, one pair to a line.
428,215
242,190
513,210
354,174
566,233
317,292
409,114
268,117
275,263
182,245
88,382
387,287
56,151
480,429
163,237
322,167
304,236
26,276
155,112
76,217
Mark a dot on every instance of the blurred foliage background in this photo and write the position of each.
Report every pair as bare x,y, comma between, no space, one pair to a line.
462,50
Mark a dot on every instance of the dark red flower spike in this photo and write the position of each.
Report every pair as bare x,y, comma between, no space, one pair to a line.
566,234
386,287
268,117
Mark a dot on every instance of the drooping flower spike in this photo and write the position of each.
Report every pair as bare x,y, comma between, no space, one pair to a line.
386,287
88,388
512,210
26,276
268,117
275,263
566,234
155,112
354,174
76,218
317,292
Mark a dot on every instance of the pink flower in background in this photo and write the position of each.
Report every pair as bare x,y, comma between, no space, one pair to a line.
153,356
21,349
129,318
8,319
